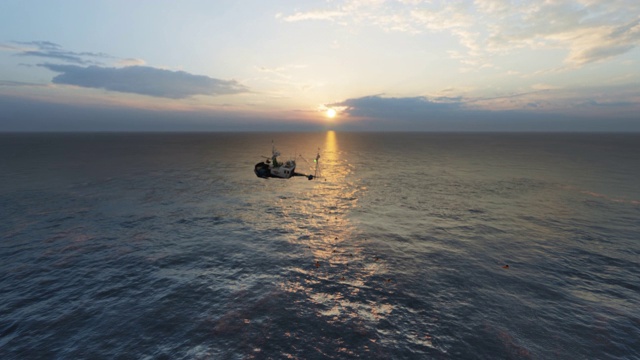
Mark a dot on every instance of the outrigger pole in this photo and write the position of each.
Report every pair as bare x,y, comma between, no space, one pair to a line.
315,172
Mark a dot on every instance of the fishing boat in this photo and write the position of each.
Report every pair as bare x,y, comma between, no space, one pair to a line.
272,167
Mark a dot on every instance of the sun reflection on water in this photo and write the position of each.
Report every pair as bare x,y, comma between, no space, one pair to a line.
339,275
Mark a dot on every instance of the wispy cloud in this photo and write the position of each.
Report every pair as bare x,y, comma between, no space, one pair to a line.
144,80
55,52
8,83
604,43
589,30
285,79
50,50
10,47
447,17
314,15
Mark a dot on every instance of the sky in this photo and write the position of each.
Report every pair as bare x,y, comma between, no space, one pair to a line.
359,65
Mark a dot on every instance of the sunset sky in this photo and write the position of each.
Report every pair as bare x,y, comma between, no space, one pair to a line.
370,65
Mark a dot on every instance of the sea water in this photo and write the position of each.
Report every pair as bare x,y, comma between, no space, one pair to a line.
407,246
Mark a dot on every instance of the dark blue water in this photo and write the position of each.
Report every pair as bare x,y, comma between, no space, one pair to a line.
166,246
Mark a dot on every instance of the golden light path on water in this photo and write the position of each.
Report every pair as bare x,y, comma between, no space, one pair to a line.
340,272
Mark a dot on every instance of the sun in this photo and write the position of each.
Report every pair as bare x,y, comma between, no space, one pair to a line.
331,113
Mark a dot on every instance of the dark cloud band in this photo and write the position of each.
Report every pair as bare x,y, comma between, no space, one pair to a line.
144,80
376,106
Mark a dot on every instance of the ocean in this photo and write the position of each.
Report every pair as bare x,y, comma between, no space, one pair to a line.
408,246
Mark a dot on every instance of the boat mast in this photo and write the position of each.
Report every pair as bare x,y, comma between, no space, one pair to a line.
274,155
315,173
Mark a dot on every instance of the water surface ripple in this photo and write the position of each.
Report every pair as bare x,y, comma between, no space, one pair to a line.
152,246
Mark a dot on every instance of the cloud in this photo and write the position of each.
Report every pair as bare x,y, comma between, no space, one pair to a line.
144,80
588,30
40,114
377,106
541,86
542,110
314,15
445,18
8,83
50,50
131,62
9,47
53,51
131,76
604,43
427,114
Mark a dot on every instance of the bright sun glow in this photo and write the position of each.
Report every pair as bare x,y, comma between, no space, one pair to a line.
331,113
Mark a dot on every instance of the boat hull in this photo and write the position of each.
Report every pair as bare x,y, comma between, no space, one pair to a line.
264,170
